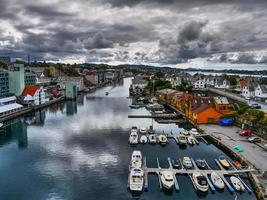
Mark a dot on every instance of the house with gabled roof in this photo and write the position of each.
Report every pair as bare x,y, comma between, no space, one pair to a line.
261,92
33,95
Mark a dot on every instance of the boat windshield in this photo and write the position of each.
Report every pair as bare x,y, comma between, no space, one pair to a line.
202,180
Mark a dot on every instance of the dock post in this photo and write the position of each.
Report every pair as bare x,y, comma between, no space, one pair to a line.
210,184
231,189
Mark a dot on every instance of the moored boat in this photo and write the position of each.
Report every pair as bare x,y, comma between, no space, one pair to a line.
191,140
136,160
194,131
182,139
152,139
237,183
176,163
107,93
167,179
216,180
201,164
143,139
237,164
163,139
187,163
200,181
224,162
133,139
136,180
134,106
143,130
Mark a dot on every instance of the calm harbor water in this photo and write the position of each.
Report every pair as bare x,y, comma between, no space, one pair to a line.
79,150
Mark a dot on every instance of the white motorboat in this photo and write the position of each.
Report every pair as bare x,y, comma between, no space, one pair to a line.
136,180
200,181
133,139
194,131
152,139
167,179
191,140
217,180
163,139
136,160
237,183
143,139
183,131
181,139
187,163
143,130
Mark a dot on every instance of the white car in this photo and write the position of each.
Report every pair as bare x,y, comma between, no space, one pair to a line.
254,139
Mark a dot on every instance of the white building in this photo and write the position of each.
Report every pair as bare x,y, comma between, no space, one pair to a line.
199,83
248,91
33,95
8,106
138,84
261,91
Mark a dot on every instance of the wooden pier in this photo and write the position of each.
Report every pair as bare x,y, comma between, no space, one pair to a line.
182,171
159,116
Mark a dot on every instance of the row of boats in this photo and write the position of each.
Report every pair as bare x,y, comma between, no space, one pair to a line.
153,138
167,177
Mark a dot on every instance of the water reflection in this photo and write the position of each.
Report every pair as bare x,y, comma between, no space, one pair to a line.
79,150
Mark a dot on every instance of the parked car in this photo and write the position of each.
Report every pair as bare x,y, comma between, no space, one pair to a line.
246,132
255,105
254,139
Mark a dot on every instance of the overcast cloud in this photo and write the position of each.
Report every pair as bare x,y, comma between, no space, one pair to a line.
160,32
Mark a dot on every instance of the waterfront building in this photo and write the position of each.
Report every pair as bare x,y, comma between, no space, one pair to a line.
16,79
62,81
4,82
71,90
223,106
205,114
165,95
248,90
92,76
110,75
33,95
5,59
138,84
222,83
8,106
30,78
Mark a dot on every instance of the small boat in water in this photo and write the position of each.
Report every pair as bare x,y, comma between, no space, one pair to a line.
194,131
182,139
133,139
191,140
201,164
187,163
150,131
143,130
237,164
152,139
163,139
107,93
136,160
143,139
237,183
133,106
167,179
176,163
216,180
224,162
136,180
200,181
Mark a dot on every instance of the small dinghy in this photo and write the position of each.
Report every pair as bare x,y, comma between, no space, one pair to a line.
237,184
176,163
163,139
216,180
224,162
181,139
201,164
143,139
143,130
152,139
200,181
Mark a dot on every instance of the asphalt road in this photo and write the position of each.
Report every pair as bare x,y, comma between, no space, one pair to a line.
255,154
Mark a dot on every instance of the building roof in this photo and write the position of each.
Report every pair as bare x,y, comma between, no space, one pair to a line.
263,88
30,90
201,108
166,91
221,100
9,107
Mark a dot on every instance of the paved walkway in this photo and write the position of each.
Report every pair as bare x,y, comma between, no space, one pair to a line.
230,136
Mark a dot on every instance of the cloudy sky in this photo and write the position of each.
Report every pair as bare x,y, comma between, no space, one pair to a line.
188,33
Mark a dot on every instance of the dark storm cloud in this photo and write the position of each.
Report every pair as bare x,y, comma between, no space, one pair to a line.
161,31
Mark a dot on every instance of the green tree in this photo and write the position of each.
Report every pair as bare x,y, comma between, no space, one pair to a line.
184,86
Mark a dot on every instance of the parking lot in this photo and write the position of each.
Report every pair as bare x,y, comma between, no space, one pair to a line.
254,153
